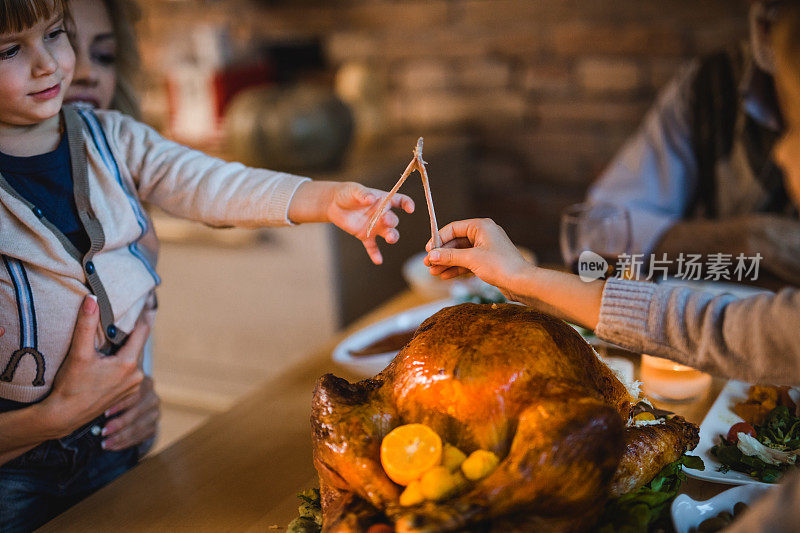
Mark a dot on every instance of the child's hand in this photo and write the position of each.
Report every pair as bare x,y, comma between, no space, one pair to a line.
352,206
482,247
349,206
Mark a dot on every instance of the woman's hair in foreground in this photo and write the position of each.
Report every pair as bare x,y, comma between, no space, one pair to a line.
124,13
19,15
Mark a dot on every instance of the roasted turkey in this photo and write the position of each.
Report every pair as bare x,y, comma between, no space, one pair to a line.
503,378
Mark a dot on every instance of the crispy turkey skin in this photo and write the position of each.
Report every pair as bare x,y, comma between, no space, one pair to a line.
503,378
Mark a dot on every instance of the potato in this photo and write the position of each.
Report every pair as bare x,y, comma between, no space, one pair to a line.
412,495
438,483
479,464
752,412
452,457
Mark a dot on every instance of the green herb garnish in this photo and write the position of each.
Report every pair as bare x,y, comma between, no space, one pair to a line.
310,511
647,508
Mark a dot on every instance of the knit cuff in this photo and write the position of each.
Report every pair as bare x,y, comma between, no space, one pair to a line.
624,311
281,198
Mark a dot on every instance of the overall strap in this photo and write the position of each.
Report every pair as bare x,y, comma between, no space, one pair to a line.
28,334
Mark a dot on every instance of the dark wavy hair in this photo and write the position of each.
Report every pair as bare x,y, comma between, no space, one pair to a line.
19,15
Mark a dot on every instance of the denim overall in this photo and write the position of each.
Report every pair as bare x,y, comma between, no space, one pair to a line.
56,474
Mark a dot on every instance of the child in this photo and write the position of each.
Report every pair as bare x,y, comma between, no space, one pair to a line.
71,181
752,339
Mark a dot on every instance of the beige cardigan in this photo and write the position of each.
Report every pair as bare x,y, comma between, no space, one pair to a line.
116,163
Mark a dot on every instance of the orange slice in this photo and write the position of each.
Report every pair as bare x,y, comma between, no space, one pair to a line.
409,451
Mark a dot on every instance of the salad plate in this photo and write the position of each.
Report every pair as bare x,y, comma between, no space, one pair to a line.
716,424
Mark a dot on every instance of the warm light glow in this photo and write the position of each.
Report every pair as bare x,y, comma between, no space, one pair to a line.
663,364
666,380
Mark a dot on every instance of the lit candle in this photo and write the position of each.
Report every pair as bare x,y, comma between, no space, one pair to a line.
666,380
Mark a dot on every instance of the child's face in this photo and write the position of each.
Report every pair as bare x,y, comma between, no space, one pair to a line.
36,68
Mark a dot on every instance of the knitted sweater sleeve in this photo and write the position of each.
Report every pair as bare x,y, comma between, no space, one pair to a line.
190,184
752,339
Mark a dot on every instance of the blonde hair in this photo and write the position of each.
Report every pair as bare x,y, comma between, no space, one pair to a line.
19,15
124,14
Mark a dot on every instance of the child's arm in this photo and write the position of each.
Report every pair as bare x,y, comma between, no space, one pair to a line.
348,206
190,184
85,386
752,339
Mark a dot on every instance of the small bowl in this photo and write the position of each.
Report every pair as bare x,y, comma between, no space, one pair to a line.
688,513
421,282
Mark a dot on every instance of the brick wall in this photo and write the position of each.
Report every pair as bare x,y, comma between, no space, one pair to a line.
549,89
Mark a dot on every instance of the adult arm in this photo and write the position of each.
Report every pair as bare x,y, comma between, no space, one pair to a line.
654,174
752,339
85,386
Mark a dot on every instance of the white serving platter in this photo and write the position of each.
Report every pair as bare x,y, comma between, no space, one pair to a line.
370,365
688,513
718,421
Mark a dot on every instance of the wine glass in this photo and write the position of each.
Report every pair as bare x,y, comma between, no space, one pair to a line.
601,228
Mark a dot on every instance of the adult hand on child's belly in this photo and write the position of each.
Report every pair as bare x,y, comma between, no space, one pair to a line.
138,421
88,383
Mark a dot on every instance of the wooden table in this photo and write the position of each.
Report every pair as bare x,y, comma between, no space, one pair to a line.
242,469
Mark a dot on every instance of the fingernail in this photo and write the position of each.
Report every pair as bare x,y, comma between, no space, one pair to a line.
105,431
434,255
108,413
103,444
90,303
369,198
